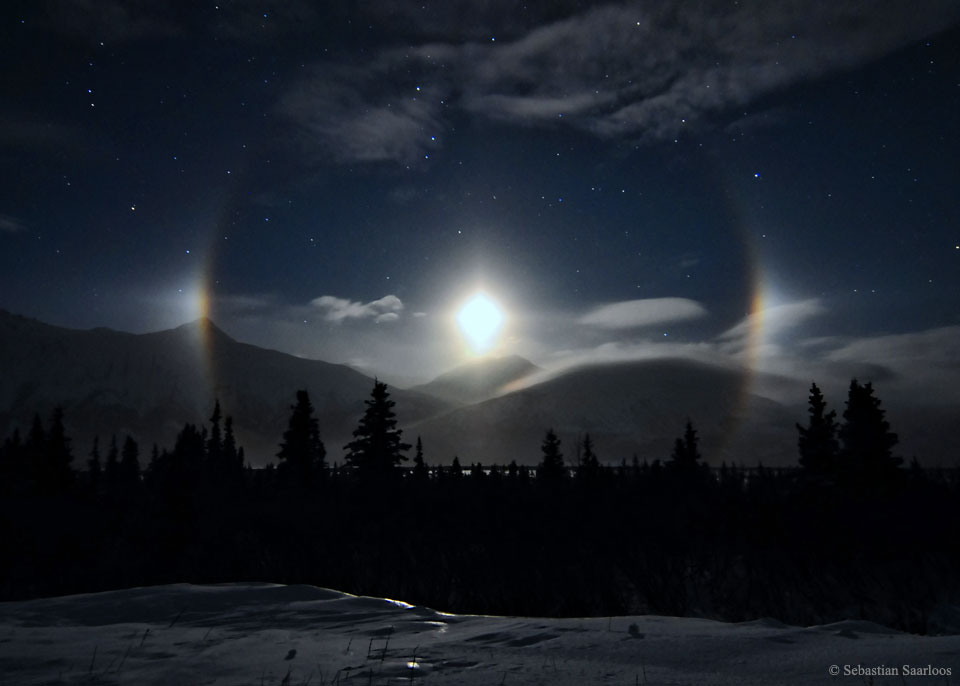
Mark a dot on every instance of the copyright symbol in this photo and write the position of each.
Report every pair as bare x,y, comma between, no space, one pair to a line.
834,670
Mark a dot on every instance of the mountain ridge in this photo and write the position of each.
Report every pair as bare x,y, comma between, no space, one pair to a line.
478,380
150,384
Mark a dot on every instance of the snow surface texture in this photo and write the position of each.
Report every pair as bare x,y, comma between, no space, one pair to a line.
293,635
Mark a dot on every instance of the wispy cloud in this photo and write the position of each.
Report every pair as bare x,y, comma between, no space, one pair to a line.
771,321
375,112
385,309
638,71
10,224
632,314
926,359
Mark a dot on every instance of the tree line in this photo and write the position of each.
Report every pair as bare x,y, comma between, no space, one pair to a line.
848,532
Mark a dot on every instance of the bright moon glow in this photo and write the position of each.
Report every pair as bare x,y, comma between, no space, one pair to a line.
480,320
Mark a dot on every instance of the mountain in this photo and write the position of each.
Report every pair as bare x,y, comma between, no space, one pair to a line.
480,380
628,408
149,385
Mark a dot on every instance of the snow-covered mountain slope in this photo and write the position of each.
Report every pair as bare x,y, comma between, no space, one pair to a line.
480,380
266,634
635,407
149,385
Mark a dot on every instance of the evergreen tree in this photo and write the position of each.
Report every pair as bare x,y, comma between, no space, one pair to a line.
419,466
230,456
94,466
551,469
476,471
11,462
523,474
302,453
456,470
111,471
57,456
818,440
177,472
867,442
130,462
686,457
215,442
589,468
33,455
377,448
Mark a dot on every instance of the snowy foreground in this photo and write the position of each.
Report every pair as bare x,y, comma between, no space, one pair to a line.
293,635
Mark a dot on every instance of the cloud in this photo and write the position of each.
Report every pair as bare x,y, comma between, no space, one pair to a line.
645,71
386,309
10,224
632,314
374,112
771,322
925,359
111,20
934,349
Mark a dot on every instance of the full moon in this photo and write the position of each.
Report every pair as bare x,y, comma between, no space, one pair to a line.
480,320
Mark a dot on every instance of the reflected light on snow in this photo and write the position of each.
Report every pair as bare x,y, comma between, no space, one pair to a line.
399,603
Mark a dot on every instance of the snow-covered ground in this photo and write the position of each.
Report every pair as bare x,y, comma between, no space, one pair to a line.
267,634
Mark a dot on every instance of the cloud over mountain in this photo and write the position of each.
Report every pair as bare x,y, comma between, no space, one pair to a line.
385,309
631,314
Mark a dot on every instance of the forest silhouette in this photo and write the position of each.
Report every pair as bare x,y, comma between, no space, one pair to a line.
847,533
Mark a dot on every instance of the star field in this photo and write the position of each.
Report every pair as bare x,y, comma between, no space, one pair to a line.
268,155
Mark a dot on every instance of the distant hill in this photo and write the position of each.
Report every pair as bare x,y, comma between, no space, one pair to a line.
480,380
151,384
636,407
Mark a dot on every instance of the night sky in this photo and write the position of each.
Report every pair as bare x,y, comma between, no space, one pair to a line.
769,183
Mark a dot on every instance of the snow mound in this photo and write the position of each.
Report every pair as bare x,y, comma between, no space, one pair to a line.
273,634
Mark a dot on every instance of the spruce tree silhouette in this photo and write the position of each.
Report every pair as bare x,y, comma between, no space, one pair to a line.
215,441
232,461
154,458
377,449
11,463
685,461
57,473
129,471
302,453
183,467
551,469
866,438
33,454
420,472
818,440
476,472
111,471
94,465
589,468
456,469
